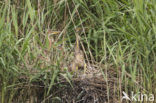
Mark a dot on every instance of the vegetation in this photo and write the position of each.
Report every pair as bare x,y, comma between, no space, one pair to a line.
37,38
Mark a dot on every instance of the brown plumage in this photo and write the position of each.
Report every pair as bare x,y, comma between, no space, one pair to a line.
79,60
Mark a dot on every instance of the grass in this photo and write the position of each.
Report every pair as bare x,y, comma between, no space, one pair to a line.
120,33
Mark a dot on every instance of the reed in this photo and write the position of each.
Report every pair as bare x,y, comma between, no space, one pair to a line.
118,33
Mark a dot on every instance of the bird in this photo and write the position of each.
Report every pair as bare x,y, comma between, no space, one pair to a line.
79,60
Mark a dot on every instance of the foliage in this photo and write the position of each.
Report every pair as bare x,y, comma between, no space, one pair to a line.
121,33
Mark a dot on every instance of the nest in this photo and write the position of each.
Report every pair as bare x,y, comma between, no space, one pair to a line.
90,88
95,86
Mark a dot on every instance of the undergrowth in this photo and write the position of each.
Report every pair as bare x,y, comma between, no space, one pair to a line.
37,38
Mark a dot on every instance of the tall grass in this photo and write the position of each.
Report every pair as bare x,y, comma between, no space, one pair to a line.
121,33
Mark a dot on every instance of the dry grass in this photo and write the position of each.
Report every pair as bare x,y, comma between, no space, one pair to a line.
37,41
